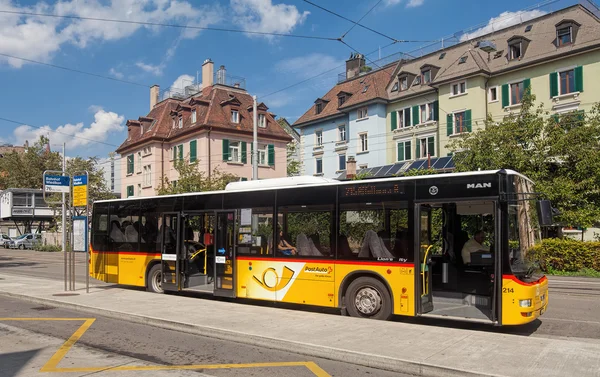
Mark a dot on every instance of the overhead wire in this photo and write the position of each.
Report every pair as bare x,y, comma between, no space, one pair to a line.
360,19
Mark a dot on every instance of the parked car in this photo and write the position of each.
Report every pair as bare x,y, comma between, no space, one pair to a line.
4,240
26,241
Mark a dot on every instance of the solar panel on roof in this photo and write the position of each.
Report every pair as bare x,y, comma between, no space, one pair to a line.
383,172
450,164
416,165
396,168
374,171
441,162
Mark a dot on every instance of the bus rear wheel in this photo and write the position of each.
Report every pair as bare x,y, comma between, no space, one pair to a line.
368,297
154,279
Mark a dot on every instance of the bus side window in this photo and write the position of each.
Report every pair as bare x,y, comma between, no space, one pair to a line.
100,227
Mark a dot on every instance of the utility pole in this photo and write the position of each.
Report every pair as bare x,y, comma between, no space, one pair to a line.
64,217
255,142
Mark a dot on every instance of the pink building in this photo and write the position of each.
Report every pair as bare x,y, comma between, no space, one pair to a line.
211,128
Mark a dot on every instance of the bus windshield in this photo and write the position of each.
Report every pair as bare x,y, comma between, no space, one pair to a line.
524,230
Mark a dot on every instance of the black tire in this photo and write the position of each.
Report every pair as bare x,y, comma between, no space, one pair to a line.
154,279
368,297
21,247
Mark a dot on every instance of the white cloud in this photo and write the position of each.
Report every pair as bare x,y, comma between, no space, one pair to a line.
389,3
264,16
113,72
504,20
156,70
415,3
182,81
75,135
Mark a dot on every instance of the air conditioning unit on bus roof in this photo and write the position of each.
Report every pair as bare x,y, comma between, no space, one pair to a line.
278,182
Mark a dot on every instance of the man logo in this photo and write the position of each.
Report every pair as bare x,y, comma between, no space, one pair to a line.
479,185
433,190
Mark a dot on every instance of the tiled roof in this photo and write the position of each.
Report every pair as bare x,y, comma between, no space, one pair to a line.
213,109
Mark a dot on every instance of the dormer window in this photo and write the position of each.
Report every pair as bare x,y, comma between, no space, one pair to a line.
341,100
426,76
318,108
395,87
564,36
194,116
180,122
517,47
417,80
262,121
173,122
235,116
403,83
515,51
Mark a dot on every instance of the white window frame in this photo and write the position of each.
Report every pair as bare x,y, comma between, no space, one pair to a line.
458,84
400,118
417,80
423,81
490,100
428,111
262,121
570,36
561,70
317,172
262,155
180,122
401,87
235,116
362,166
235,149
362,113
418,140
510,103
363,138
139,189
139,163
147,178
411,149
318,138
342,135
345,161
194,116
510,50
454,121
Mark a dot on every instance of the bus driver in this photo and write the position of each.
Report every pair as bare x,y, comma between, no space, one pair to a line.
474,245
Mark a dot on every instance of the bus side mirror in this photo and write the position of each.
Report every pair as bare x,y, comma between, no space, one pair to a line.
545,212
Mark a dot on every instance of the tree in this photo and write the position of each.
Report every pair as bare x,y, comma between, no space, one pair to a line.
25,170
97,189
191,179
293,165
561,154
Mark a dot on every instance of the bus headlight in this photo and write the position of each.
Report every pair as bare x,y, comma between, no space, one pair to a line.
525,303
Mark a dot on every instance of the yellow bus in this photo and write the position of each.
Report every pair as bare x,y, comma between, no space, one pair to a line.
449,245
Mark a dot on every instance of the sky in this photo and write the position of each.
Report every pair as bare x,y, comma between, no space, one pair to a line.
89,113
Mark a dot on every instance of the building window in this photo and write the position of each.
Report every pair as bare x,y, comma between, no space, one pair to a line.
130,164
139,162
194,116
318,108
262,156
404,149
148,176
129,191
319,165
180,122
403,83
459,122
139,189
458,88
404,118
342,162
234,152
341,100
395,87
426,77
567,81
362,113
417,80
173,122
363,145
262,121
516,93
426,147
235,116
515,51
319,138
493,96
342,133
564,36
426,112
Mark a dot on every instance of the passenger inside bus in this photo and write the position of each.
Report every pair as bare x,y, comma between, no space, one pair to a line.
284,246
474,245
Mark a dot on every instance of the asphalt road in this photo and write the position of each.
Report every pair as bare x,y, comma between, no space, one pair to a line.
573,309
27,345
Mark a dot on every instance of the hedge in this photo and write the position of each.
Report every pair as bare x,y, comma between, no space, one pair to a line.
566,255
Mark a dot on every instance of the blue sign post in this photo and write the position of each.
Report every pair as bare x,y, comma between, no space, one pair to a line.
57,183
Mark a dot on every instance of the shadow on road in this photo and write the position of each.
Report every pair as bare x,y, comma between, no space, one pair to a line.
12,363
10,262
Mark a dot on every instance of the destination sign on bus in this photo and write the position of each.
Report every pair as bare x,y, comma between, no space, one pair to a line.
372,189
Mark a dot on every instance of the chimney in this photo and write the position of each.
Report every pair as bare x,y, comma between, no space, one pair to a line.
154,93
354,64
208,68
351,168
221,75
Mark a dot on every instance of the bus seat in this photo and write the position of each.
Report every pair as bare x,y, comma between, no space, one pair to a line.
373,246
401,245
344,249
306,246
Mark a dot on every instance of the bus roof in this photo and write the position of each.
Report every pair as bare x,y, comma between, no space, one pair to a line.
310,181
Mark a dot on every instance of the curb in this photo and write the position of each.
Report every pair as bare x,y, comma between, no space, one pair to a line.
306,349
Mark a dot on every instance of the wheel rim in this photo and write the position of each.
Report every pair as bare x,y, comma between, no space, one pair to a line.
157,281
368,301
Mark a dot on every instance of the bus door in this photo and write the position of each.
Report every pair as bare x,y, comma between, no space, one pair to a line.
224,254
423,246
172,256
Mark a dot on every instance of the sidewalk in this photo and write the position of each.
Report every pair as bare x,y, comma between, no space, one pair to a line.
415,349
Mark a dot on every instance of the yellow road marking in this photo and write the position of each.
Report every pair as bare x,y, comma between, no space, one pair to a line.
52,365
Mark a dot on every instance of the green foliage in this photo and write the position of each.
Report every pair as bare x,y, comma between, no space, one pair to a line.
191,179
366,68
293,165
310,223
97,189
566,255
560,154
25,170
47,248
415,172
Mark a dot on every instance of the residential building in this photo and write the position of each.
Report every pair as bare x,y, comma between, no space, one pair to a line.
350,120
293,147
210,126
111,168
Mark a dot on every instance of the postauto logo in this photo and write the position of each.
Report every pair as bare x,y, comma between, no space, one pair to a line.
318,270
270,279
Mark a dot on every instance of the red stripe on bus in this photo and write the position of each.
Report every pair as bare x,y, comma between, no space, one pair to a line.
363,263
127,253
514,278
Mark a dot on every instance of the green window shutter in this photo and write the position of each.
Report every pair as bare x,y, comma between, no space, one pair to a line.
394,120
225,150
244,179
400,151
579,79
505,95
415,115
129,191
180,150
553,84
271,153
418,149
527,86
468,120
436,110
244,152
450,154
193,153
449,126
130,164
431,145
174,153
555,118
407,150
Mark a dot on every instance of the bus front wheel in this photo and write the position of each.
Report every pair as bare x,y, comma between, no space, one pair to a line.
154,280
368,297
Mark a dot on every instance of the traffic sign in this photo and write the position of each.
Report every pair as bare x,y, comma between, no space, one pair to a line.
80,190
56,183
